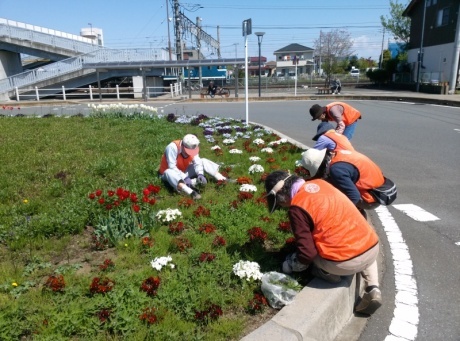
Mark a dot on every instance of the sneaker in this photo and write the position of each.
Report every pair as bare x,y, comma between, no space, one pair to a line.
320,273
195,195
370,302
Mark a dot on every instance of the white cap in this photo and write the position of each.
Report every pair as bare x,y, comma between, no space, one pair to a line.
191,144
312,159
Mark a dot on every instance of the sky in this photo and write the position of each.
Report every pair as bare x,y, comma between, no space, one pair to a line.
144,23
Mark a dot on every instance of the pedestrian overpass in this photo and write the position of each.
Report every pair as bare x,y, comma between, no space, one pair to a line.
77,61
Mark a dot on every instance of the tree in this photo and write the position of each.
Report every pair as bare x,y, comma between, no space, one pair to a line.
333,47
398,25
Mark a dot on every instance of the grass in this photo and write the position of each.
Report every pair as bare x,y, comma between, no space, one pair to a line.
49,227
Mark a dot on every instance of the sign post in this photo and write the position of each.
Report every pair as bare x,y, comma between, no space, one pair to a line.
247,30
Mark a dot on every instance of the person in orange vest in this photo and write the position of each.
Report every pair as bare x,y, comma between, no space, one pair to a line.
342,113
327,137
332,238
351,172
181,166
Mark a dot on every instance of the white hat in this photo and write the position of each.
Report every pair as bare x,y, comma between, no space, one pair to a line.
190,143
312,159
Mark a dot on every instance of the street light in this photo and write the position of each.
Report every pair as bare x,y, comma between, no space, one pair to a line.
260,36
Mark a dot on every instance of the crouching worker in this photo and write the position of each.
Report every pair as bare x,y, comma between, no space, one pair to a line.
182,168
332,237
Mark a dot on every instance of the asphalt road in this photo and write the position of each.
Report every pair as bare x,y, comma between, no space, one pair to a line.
416,145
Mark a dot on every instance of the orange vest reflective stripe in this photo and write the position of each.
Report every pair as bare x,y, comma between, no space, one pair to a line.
370,175
339,230
341,141
350,115
181,162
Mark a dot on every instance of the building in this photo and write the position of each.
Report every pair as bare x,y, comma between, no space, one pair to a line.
292,56
435,31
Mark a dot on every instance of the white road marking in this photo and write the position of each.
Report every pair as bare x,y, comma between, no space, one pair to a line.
457,130
457,243
404,325
415,212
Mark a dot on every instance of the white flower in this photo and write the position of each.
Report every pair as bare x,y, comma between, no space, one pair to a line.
248,188
247,270
228,141
258,141
235,151
215,147
256,169
159,262
277,142
267,150
168,215
254,158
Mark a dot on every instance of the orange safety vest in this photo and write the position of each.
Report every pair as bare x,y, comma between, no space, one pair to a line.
340,231
350,115
370,175
341,141
181,162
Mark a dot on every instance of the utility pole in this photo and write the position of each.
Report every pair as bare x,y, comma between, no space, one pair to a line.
420,54
218,39
381,55
198,44
320,53
169,35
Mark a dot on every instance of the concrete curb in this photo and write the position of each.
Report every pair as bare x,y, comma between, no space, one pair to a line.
318,313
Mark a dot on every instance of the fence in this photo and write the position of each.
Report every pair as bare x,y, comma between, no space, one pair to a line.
93,93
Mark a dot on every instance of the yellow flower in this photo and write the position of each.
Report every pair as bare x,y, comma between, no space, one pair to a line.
126,245
14,284
25,201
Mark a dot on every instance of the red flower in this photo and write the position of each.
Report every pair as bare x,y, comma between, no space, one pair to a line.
152,201
176,227
207,228
150,285
148,315
101,285
103,315
257,304
211,313
245,196
219,241
110,193
145,199
201,211
136,208
256,234
92,196
101,201
146,192
153,189
99,192
107,265
147,242
244,180
284,226
182,244
133,197
56,283
108,207
185,202
207,257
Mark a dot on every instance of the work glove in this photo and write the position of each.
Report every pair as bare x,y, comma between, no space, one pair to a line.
188,181
201,179
292,264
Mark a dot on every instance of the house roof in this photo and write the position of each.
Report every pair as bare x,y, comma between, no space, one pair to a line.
409,8
294,48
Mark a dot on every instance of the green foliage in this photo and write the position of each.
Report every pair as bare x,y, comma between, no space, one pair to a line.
396,23
48,218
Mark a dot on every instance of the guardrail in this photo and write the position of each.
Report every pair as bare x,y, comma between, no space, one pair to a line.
74,64
93,93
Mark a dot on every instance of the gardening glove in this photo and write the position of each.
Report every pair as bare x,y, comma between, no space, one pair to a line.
188,181
292,264
201,179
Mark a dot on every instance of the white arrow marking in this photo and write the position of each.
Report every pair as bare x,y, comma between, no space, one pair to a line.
404,325
415,212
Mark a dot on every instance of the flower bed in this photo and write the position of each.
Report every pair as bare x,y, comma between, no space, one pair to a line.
178,269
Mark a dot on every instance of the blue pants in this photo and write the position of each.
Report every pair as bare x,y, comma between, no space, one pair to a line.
350,130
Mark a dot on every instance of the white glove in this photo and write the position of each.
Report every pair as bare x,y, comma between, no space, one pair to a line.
294,264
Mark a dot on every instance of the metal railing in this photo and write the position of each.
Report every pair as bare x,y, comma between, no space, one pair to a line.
74,64
16,30
93,93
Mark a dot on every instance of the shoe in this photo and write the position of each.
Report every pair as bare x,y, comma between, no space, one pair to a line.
195,195
320,273
370,302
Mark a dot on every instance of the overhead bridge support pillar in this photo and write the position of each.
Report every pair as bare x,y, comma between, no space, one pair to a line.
10,64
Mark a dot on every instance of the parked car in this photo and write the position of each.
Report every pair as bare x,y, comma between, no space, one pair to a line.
354,73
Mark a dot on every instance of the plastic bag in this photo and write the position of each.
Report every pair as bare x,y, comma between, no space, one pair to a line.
278,289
